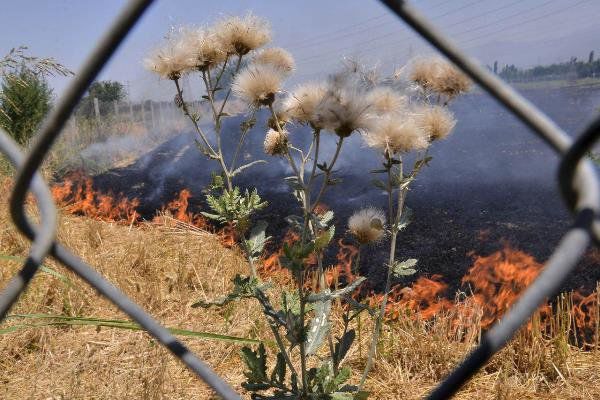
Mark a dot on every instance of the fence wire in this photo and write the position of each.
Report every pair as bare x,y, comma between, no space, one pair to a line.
576,177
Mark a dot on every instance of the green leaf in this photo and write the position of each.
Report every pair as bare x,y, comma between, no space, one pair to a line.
404,268
256,361
278,374
325,219
64,320
329,295
379,184
246,166
342,376
257,240
318,328
243,288
343,346
323,240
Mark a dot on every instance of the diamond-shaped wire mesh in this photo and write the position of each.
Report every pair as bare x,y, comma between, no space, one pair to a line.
577,181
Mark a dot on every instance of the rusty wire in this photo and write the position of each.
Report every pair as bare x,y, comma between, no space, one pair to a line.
577,180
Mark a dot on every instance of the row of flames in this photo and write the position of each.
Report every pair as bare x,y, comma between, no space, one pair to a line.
492,284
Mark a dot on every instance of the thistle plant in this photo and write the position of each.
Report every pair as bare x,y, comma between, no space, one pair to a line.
392,116
217,54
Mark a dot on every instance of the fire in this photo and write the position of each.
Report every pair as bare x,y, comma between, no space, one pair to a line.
497,280
77,195
493,283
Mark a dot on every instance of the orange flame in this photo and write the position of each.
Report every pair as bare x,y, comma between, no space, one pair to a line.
77,195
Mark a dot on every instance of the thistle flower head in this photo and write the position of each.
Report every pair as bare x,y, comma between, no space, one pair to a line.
344,107
240,35
257,84
450,81
277,57
302,103
276,142
170,61
396,134
384,99
424,72
367,225
436,121
204,47
439,76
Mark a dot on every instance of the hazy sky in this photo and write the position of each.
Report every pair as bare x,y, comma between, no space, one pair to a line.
319,33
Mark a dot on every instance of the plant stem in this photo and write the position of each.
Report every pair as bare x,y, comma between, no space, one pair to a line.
212,152
394,221
217,120
327,174
302,342
237,68
281,346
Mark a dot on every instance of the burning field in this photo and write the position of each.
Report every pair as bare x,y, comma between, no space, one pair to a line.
487,211
486,215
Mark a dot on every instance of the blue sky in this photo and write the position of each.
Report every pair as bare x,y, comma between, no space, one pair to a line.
319,33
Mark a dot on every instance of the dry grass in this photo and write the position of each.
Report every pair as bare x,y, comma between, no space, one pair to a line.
166,269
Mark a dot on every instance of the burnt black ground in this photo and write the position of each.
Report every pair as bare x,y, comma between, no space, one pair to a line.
491,175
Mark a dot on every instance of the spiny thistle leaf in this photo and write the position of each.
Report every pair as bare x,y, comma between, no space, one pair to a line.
319,326
244,287
245,166
329,295
404,268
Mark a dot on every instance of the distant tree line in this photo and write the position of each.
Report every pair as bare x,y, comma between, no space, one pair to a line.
572,69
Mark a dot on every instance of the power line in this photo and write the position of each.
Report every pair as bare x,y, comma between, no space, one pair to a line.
395,33
355,32
527,21
370,49
384,35
303,42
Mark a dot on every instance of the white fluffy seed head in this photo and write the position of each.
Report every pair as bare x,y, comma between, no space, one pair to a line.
277,57
367,225
240,35
170,61
436,121
424,71
394,134
276,142
302,103
440,76
204,47
344,108
450,81
384,100
257,84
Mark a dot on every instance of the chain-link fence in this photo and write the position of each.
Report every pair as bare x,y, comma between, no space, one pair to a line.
576,177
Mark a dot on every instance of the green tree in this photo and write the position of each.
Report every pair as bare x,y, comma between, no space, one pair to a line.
106,92
25,99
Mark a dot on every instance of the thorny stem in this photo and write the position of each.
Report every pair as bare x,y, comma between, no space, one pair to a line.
209,148
394,221
282,349
221,72
316,156
240,144
327,174
237,68
302,341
